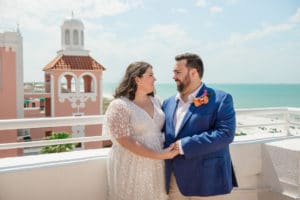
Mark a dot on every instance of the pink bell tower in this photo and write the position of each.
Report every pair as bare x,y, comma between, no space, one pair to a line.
74,80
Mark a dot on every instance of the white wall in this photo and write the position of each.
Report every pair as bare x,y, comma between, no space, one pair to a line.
262,169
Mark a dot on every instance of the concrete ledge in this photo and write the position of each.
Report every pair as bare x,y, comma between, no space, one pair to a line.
281,167
74,175
265,171
247,168
50,160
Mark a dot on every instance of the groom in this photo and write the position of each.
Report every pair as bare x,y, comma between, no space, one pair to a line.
201,122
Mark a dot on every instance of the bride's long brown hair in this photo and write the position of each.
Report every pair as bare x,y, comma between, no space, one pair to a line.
127,87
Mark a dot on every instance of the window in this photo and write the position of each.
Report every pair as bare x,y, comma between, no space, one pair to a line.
33,104
67,37
42,104
64,85
87,84
75,37
67,84
48,133
78,145
24,134
82,38
26,103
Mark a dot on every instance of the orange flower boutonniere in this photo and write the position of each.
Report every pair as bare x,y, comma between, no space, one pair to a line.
203,99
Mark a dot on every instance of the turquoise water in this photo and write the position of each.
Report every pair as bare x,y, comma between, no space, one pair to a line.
244,95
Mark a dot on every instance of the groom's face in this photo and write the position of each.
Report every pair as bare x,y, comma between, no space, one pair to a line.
181,75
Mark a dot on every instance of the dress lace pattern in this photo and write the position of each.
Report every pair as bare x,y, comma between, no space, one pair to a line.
130,176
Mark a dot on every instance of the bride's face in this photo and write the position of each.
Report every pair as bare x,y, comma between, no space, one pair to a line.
146,82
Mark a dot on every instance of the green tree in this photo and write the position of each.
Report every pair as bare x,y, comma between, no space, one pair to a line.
59,147
105,104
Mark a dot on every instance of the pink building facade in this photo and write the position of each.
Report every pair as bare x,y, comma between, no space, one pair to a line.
73,87
11,86
75,91
73,81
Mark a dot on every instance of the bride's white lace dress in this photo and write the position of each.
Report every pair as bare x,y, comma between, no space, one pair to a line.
130,176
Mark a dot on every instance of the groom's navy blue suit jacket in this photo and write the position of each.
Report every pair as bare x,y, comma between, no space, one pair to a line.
205,133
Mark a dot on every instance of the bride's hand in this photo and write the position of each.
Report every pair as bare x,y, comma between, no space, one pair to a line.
170,152
175,145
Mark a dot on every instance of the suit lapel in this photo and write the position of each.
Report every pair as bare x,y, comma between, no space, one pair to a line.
190,111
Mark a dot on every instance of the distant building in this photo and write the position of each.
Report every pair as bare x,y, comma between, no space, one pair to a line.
11,86
74,80
72,87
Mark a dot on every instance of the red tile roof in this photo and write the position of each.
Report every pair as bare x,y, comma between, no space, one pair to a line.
63,62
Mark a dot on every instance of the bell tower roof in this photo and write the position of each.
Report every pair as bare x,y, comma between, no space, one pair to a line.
72,37
72,22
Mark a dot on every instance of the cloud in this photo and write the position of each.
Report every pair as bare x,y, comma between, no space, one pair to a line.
231,2
158,45
216,9
179,10
49,13
40,22
296,18
201,3
237,38
205,4
167,31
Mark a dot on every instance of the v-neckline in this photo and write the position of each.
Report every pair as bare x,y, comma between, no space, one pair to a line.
151,117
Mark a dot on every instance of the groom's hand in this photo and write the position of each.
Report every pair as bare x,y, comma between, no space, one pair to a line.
175,145
170,152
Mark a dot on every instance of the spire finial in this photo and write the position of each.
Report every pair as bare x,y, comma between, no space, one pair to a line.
18,28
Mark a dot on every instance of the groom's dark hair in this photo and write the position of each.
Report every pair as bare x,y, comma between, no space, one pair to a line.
192,61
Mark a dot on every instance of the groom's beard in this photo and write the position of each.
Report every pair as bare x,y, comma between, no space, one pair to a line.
184,83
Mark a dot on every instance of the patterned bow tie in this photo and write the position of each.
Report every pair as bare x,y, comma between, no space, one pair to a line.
203,99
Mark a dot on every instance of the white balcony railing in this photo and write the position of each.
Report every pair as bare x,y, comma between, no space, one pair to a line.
265,169
12,124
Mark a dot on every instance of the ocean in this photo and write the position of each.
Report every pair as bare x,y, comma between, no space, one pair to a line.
244,95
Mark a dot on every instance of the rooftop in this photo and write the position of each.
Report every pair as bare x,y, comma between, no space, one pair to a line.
64,62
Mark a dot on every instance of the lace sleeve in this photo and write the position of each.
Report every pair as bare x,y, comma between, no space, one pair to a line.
118,119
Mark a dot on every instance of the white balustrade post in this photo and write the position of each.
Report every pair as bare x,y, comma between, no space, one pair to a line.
287,125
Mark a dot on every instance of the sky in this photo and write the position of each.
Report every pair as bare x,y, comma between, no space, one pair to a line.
239,41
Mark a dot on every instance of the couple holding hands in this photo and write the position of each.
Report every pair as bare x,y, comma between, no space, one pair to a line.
177,150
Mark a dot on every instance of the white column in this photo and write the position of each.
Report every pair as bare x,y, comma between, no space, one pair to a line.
19,76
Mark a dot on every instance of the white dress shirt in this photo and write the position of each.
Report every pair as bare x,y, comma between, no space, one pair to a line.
181,111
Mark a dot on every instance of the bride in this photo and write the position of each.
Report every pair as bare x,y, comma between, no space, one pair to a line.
134,120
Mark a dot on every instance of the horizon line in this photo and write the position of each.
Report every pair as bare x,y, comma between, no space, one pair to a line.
248,83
